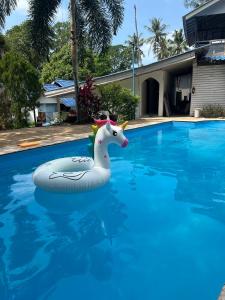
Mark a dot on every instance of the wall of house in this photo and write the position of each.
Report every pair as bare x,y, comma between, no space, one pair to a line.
48,106
209,84
140,89
45,100
162,78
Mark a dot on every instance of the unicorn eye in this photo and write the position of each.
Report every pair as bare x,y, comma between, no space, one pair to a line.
114,133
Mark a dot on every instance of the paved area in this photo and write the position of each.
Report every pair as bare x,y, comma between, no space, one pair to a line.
10,139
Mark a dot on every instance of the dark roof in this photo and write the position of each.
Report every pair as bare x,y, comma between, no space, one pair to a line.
206,23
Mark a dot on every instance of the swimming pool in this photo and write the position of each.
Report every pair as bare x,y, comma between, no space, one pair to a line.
155,231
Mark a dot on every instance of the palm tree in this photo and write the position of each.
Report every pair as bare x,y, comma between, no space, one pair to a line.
136,42
164,49
158,39
178,44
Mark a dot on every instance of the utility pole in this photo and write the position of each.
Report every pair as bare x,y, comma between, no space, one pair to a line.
137,36
133,68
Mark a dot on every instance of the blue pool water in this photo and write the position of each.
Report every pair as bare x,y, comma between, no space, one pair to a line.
156,231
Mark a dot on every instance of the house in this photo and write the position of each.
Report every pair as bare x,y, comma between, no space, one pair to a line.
180,84
50,107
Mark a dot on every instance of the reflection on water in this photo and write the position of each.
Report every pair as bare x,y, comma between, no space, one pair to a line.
52,236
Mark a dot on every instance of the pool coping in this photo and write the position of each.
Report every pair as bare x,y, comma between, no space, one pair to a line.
150,122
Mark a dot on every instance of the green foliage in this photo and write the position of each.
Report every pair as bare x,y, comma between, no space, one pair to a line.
119,58
212,111
19,40
178,44
118,101
160,44
2,45
59,66
5,111
135,43
61,37
115,59
21,84
157,40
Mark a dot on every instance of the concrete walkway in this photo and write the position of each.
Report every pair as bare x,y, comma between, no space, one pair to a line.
10,139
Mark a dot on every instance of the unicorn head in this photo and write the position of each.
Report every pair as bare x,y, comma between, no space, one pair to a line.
108,133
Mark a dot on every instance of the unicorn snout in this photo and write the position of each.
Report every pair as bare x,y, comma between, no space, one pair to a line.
125,143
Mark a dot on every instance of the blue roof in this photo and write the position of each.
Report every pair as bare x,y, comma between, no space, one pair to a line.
58,84
48,87
216,57
64,83
69,102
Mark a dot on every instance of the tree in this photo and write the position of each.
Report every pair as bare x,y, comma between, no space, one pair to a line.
158,39
5,110
135,43
194,3
59,66
99,19
118,101
2,45
178,43
165,49
21,84
119,58
115,59
61,37
19,40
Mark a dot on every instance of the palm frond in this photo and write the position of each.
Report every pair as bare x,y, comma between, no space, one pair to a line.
6,7
116,11
42,13
98,24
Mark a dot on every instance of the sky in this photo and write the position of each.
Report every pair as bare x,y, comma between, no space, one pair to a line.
170,11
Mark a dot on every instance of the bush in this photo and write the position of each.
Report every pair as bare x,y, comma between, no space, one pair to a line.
212,111
118,101
88,101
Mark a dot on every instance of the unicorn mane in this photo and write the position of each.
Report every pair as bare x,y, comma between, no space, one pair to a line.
101,123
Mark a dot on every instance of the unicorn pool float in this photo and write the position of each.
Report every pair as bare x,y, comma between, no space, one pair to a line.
77,174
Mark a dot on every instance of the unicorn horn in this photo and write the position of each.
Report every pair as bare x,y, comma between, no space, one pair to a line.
124,125
94,129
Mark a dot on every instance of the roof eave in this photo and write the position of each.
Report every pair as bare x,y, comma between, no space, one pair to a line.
159,65
199,9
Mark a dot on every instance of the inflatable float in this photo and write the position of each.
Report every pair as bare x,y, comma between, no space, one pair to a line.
77,174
